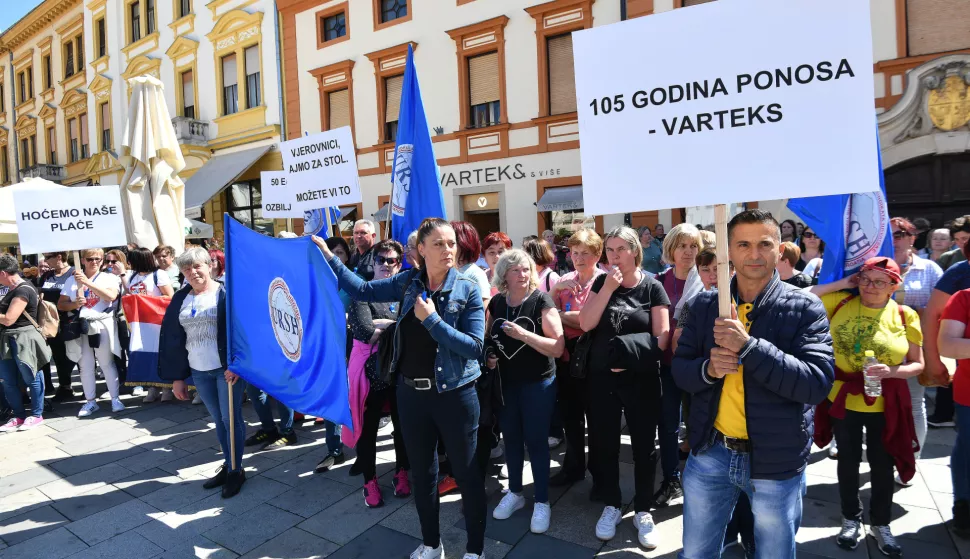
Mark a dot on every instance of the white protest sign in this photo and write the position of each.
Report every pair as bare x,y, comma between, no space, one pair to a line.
70,219
321,170
277,196
724,102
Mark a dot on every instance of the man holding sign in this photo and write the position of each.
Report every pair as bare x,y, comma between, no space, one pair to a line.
755,379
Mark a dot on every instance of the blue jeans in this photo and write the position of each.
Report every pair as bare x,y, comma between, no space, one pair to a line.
13,373
260,402
214,390
669,424
334,444
525,421
960,459
713,481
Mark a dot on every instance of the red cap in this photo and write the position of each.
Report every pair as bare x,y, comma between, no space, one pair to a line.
885,265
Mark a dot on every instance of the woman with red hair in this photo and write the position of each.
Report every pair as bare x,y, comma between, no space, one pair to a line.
217,268
492,248
469,249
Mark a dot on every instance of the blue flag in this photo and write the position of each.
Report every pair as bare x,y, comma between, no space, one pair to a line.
855,227
287,327
319,222
416,192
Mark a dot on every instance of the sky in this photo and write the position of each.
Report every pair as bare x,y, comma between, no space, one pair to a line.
13,10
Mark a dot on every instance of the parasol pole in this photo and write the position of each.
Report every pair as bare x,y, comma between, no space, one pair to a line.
723,261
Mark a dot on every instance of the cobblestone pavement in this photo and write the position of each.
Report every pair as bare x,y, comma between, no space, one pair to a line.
129,485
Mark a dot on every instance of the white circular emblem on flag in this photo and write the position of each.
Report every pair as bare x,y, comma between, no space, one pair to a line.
285,315
402,178
866,226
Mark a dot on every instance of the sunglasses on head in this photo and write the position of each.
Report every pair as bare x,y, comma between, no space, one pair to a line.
900,234
809,235
390,261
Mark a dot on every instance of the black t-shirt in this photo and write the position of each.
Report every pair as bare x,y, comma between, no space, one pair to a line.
627,312
799,280
362,264
517,361
23,291
418,348
51,285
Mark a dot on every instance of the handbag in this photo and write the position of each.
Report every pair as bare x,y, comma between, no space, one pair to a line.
385,355
580,355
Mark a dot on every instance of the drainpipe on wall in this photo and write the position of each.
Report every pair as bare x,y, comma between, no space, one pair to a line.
623,10
13,103
279,69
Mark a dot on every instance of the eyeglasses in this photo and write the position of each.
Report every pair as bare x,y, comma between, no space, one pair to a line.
900,235
92,260
382,260
809,235
110,261
878,284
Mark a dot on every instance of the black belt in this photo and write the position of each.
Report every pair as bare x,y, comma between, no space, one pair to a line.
736,445
418,383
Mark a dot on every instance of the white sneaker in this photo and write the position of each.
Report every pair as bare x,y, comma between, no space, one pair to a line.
425,552
167,395
116,405
151,395
508,505
833,450
606,525
541,513
901,483
88,408
646,530
138,391
197,400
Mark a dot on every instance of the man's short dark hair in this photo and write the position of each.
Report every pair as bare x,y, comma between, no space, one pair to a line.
388,245
753,216
960,225
9,264
921,224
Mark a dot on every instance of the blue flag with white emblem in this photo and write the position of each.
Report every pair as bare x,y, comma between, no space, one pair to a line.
287,327
416,192
319,222
855,227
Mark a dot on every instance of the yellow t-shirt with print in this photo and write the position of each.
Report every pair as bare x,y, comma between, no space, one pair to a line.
856,329
730,418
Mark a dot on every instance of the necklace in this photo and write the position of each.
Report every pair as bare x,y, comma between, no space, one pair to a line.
509,307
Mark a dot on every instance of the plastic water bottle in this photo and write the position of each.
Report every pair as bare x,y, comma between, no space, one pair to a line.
873,385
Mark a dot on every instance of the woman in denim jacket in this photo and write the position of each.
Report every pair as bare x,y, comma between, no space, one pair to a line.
437,343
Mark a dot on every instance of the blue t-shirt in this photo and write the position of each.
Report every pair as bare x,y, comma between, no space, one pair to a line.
956,278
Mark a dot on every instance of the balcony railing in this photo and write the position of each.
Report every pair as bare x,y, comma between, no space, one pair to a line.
45,171
191,131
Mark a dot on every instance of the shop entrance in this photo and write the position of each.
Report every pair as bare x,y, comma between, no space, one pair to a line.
482,211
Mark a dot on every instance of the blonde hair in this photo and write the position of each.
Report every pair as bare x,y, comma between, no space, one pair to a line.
93,252
709,239
588,238
677,235
630,237
510,259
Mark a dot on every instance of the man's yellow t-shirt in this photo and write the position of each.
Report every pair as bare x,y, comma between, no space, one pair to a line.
730,418
856,329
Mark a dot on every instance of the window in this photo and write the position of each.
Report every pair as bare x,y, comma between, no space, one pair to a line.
79,53
338,103
393,9
135,21
562,81
24,153
102,38
30,83
934,26
188,94
75,144
150,15
253,97
334,27
245,202
230,90
185,7
4,165
51,146
105,127
3,97
48,73
22,88
392,106
84,136
68,60
483,90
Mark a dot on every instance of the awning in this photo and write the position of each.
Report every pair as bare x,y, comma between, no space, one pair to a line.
217,174
381,214
198,230
560,199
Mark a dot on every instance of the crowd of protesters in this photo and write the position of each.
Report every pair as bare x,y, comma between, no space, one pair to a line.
465,341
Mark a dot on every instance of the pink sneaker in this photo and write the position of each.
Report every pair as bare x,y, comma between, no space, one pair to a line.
372,494
402,487
12,425
31,422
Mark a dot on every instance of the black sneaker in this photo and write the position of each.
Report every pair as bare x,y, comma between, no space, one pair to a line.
670,491
234,482
329,461
961,519
284,439
262,437
938,422
63,394
216,481
561,479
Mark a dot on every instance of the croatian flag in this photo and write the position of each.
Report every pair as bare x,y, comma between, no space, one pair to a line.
144,314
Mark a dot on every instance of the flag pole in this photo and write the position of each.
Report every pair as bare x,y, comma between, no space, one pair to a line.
723,261
232,429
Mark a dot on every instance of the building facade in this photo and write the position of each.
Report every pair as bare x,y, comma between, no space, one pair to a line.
498,89
217,60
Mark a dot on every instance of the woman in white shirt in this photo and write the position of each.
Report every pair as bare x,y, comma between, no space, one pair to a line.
93,293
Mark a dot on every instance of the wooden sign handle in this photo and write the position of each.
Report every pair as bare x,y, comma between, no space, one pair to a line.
77,268
723,261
